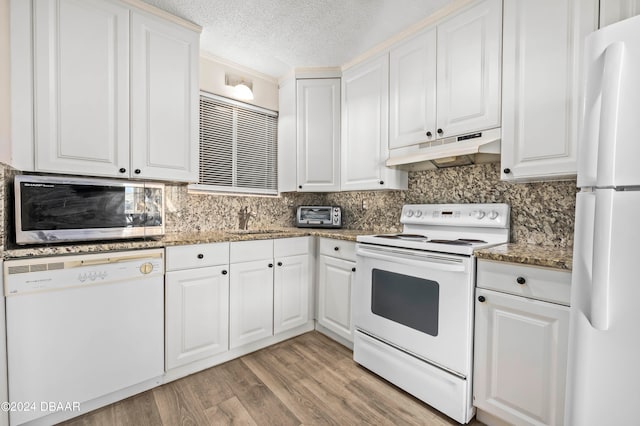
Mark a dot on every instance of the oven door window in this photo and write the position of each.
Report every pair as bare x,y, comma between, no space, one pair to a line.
407,300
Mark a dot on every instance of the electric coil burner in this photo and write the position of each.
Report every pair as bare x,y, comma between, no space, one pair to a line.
413,300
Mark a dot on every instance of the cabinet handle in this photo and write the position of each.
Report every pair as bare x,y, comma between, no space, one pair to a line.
122,170
224,272
440,131
279,263
271,265
481,299
507,170
299,186
200,256
429,134
353,269
381,182
336,248
521,280
137,171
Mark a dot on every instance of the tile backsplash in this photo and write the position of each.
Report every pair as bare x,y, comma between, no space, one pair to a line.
541,213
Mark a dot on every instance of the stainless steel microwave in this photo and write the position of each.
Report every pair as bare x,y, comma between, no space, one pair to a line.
319,217
59,209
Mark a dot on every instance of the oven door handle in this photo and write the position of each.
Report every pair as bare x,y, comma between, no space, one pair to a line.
435,261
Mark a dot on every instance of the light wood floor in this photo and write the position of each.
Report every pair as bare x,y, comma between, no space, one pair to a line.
306,380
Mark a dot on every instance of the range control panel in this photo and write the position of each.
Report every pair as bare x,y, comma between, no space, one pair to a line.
472,215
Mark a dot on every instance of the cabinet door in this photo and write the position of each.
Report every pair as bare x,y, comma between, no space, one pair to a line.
318,134
542,84
365,125
250,302
469,70
197,314
81,78
520,358
616,10
412,86
291,293
164,100
334,295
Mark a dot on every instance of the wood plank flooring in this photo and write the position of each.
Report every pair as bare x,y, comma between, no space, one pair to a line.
308,380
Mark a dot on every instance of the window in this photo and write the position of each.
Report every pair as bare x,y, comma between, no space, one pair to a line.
238,147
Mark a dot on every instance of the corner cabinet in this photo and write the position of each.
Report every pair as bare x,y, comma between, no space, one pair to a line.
521,344
365,123
542,82
318,134
115,92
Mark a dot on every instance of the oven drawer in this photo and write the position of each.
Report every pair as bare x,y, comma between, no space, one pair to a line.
338,248
548,284
197,256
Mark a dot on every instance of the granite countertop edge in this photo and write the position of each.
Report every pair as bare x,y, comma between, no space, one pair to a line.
182,238
529,254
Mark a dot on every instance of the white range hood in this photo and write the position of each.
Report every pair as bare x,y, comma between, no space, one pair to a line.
472,148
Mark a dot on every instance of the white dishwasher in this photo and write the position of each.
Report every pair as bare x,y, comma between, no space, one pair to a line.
82,331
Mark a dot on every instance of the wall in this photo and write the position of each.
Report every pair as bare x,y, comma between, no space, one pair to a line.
212,80
541,213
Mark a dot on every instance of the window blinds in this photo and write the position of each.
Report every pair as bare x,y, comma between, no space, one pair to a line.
238,147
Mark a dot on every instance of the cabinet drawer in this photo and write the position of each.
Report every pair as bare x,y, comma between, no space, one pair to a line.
197,256
283,247
338,248
247,251
535,282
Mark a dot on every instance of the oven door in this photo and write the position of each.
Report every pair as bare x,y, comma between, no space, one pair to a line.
420,302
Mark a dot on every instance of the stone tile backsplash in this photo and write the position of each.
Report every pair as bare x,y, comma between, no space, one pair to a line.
541,213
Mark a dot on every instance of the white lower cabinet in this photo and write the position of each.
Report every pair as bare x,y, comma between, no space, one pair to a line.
336,272
197,314
520,350
250,302
196,303
291,292
271,288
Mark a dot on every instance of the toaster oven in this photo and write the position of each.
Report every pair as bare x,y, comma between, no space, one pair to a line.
319,217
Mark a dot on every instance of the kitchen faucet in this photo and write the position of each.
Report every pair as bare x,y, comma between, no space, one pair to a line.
243,217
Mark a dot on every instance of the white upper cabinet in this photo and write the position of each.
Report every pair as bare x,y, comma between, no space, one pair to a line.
81,78
542,58
115,92
318,134
164,100
412,85
468,76
445,81
616,10
365,128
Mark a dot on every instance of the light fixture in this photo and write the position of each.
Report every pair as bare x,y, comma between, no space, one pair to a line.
242,88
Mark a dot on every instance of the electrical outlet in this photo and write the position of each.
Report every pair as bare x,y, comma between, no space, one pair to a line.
364,205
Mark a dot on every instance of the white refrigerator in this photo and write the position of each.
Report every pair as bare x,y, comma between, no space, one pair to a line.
603,386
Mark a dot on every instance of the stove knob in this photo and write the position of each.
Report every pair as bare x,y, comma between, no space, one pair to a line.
418,213
493,215
409,213
479,214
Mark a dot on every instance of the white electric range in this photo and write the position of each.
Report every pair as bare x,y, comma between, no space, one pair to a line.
413,300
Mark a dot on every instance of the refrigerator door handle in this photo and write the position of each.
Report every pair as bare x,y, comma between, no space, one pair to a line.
608,134
603,222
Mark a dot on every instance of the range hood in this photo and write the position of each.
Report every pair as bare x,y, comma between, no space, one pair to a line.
461,150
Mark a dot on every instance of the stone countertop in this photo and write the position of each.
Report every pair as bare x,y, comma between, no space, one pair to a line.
176,239
529,254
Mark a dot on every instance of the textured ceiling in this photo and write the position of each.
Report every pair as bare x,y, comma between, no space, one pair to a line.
275,36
